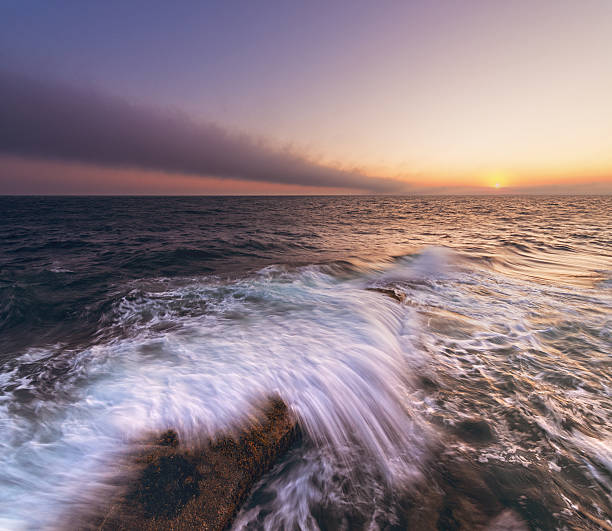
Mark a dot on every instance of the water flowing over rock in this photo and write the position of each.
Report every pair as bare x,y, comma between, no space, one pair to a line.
201,488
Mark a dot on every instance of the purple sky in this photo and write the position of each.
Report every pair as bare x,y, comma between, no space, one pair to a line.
306,97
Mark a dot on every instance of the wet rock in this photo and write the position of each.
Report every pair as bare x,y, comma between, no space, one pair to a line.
475,430
166,484
421,510
202,488
168,438
461,513
530,491
391,292
453,496
460,493
517,421
429,383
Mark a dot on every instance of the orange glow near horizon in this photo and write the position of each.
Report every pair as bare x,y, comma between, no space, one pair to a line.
450,97
75,178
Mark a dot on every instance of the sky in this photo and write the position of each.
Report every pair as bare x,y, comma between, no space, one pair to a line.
295,97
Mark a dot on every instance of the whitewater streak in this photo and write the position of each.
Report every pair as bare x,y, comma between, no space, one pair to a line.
195,357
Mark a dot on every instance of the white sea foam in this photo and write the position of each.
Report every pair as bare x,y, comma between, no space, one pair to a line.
195,355
331,349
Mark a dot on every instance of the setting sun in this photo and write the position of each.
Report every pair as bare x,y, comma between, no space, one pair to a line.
496,179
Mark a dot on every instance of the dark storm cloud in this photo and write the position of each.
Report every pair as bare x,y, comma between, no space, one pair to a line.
53,121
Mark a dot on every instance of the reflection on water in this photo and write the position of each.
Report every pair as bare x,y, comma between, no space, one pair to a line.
179,312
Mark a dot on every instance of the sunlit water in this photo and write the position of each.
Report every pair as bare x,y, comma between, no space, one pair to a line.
122,316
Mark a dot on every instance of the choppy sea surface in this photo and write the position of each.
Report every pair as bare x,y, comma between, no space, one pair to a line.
119,316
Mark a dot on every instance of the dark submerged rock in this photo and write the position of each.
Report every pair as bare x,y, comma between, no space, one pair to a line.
476,431
460,493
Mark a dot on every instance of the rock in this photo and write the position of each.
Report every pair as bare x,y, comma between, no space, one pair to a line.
458,492
168,438
177,488
452,496
476,431
166,484
530,491
390,292
460,512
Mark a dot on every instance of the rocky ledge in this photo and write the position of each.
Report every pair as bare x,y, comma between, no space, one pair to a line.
173,487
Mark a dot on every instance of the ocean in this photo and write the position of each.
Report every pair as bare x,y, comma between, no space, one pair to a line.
124,315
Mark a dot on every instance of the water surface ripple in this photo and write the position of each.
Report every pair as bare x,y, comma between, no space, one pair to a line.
119,316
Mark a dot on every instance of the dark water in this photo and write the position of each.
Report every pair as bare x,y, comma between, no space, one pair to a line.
121,315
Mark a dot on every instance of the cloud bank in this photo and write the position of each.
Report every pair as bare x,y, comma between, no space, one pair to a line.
52,121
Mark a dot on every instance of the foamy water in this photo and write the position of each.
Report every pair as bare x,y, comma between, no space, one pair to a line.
331,349
518,334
